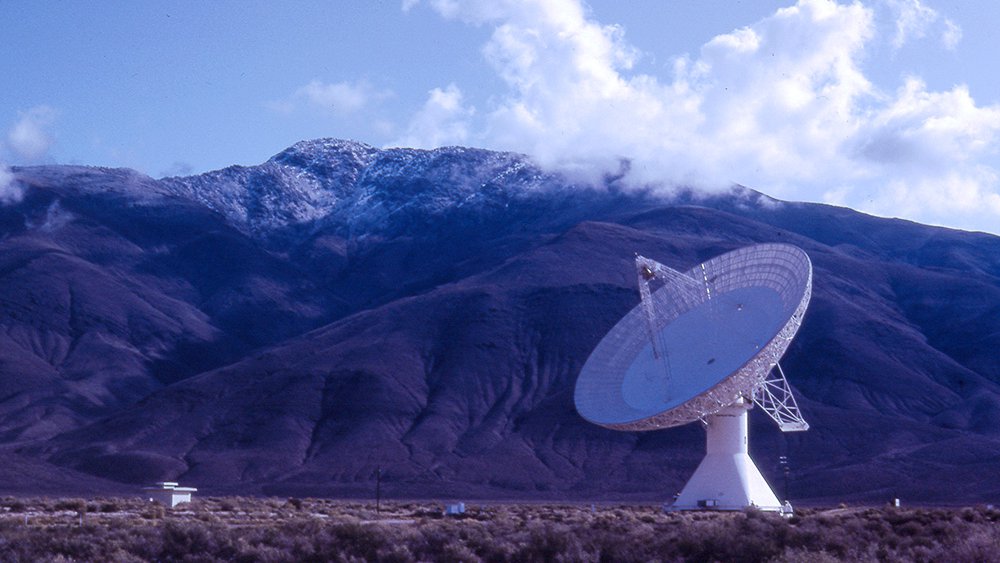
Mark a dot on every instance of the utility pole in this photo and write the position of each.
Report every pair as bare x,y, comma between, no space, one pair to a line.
378,491
786,469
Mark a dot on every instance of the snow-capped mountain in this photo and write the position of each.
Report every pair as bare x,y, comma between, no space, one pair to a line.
355,186
290,327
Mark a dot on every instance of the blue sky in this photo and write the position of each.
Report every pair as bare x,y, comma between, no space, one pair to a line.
887,106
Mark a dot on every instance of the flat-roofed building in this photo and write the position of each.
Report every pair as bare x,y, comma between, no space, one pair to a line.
168,493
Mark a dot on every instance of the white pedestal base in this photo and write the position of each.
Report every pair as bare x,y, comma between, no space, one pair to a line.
727,478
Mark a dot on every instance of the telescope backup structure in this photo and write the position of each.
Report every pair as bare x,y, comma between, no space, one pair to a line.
703,346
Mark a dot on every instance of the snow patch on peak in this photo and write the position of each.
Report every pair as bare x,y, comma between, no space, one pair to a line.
357,186
318,154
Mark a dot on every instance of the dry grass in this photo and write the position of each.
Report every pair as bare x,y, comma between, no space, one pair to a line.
267,529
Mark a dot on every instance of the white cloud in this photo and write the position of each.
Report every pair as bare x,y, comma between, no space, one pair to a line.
930,148
338,98
781,105
913,19
10,190
951,35
342,97
787,81
55,218
929,131
178,168
443,120
29,138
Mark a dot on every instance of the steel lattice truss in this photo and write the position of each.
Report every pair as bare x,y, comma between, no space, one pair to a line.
775,397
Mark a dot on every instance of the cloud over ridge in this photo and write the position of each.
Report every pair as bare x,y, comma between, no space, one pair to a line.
782,105
29,137
10,190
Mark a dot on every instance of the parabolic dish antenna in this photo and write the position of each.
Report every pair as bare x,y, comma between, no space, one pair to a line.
701,346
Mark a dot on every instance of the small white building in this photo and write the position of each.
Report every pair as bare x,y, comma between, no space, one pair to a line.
168,493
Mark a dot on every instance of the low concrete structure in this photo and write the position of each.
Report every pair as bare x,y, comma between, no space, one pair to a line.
168,493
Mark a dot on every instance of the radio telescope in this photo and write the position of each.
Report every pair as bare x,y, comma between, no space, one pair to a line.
704,346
